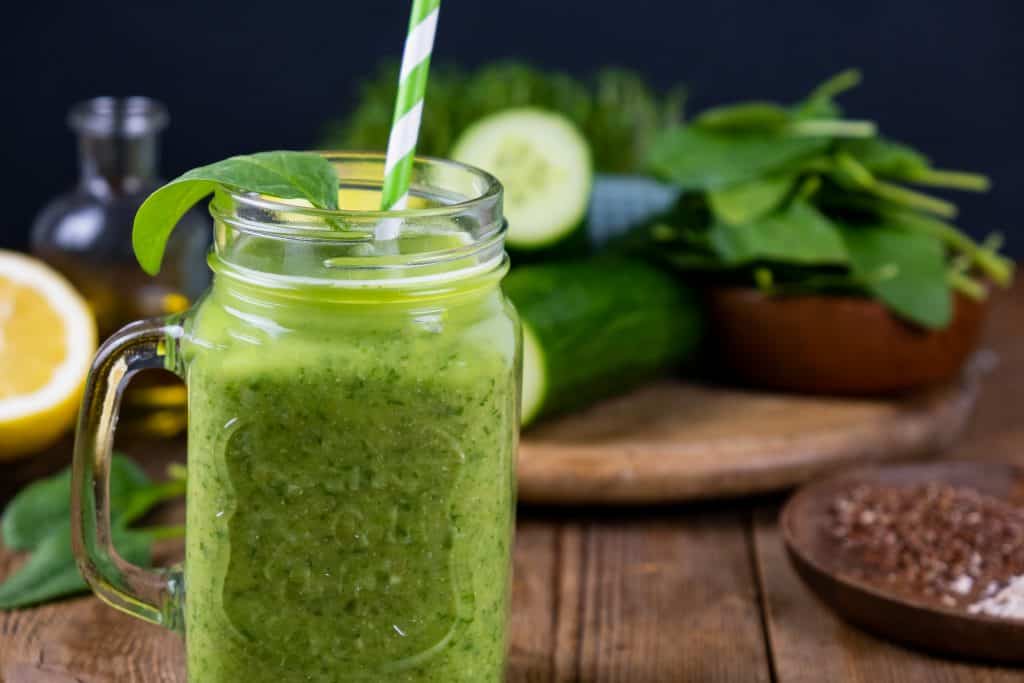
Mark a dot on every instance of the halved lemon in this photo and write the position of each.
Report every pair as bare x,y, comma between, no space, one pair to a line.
47,340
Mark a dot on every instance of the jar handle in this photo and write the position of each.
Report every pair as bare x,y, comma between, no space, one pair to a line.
152,595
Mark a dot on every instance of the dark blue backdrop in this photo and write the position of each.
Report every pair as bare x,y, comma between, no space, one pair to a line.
244,75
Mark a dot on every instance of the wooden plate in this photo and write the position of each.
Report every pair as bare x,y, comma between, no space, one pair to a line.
921,623
675,441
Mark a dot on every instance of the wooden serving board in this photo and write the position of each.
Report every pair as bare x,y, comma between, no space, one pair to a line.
676,441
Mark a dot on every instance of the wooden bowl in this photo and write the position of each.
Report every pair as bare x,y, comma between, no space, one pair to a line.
835,344
920,622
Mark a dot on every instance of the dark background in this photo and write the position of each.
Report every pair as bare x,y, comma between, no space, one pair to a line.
245,75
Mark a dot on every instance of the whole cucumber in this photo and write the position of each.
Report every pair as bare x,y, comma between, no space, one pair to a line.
599,327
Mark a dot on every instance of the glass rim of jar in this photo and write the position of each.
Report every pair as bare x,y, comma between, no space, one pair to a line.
491,191
469,200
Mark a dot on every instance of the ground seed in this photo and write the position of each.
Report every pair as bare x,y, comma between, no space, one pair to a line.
951,544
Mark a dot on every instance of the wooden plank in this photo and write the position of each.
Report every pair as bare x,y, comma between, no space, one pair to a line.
544,627
668,597
532,626
809,644
84,640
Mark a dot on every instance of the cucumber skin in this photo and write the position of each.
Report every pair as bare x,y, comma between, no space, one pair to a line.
604,325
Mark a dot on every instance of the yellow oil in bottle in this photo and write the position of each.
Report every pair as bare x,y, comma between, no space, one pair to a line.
86,234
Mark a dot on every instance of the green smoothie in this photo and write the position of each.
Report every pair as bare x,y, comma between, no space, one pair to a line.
351,484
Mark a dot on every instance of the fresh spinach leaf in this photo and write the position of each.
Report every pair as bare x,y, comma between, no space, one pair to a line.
850,224
799,234
144,499
750,200
45,505
816,115
745,116
286,175
906,271
985,258
851,174
38,519
699,159
36,510
897,161
885,157
51,572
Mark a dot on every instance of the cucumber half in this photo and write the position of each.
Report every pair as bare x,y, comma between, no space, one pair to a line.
534,375
594,328
544,163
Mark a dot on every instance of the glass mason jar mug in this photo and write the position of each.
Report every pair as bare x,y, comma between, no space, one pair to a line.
353,419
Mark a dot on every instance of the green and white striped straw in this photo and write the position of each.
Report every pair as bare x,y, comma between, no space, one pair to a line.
405,127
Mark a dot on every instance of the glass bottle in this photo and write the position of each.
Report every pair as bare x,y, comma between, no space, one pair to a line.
354,413
86,234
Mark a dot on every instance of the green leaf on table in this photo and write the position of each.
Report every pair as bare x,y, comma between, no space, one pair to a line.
285,175
50,572
45,505
905,270
799,234
144,499
699,159
38,519
750,200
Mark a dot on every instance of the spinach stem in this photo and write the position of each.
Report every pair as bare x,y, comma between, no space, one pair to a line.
958,180
841,82
913,200
807,188
967,286
832,128
855,171
862,177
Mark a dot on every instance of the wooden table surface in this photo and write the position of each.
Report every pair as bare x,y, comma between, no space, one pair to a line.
699,592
